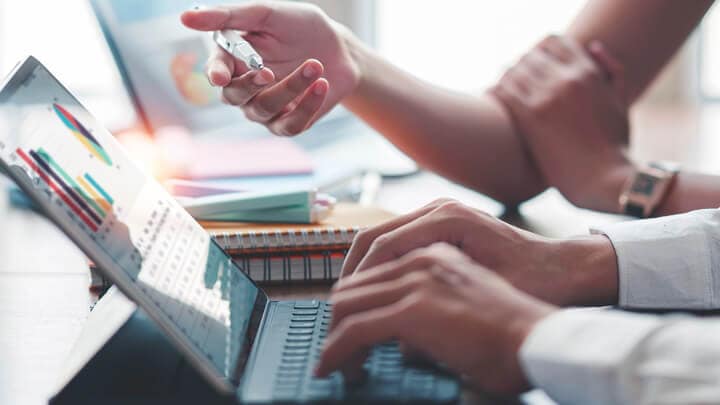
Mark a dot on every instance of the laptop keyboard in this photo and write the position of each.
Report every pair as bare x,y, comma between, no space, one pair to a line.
389,378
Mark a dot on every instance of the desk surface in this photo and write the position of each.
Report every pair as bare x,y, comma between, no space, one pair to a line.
44,298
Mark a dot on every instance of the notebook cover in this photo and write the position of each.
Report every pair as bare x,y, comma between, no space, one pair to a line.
344,216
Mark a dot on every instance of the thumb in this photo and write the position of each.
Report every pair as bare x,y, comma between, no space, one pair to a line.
244,17
613,67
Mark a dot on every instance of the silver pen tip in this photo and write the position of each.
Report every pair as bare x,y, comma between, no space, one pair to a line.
256,63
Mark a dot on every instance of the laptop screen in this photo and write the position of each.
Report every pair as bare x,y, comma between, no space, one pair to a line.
162,64
126,223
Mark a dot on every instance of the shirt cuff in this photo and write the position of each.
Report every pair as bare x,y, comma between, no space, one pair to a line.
576,356
668,262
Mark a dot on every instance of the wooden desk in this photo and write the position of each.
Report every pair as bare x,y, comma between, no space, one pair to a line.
44,279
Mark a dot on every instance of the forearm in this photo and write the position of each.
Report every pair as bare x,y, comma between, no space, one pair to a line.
688,192
468,139
589,265
643,35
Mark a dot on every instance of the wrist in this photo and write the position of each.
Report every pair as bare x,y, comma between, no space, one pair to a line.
355,55
606,188
590,270
364,61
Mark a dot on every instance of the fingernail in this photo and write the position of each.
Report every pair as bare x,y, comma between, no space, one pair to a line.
260,79
309,72
319,89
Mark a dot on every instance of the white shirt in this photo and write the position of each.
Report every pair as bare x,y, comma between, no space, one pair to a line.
613,357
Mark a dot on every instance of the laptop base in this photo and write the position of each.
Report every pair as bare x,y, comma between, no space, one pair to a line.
138,365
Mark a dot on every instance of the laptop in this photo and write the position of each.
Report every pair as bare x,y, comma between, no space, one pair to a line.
139,237
162,63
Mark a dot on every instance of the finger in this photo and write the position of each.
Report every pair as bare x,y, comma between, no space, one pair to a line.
273,101
242,89
244,17
364,239
352,369
540,65
359,332
580,55
367,297
613,67
420,233
220,67
304,113
392,270
556,48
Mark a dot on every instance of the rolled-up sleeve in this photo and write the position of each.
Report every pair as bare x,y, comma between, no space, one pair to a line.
611,357
671,262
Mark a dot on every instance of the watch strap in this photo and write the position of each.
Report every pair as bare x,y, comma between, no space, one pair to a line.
634,210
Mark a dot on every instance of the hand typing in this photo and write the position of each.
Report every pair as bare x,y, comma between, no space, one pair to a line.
438,302
577,271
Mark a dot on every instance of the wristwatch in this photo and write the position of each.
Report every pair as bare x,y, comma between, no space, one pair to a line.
646,189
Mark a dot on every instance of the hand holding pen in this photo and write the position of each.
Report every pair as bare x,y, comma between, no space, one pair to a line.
269,61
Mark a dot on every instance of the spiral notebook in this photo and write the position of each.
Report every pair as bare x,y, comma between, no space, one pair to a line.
290,254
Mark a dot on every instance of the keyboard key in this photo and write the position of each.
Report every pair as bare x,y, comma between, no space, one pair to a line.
301,312
293,332
301,318
296,352
282,394
288,376
297,325
294,360
297,345
314,304
301,338
297,368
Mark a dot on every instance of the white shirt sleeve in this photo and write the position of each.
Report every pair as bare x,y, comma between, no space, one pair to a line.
670,262
610,357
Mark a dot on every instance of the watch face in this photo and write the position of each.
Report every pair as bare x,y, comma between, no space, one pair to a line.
643,184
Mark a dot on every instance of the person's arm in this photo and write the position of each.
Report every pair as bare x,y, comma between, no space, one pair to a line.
609,357
469,139
642,35
570,103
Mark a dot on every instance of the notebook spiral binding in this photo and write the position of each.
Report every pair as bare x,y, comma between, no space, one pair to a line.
289,256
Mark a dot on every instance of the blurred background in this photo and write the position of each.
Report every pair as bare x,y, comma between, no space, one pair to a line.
482,37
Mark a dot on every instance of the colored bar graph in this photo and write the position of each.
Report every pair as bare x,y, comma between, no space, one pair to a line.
82,134
54,187
99,189
77,188
68,190
97,197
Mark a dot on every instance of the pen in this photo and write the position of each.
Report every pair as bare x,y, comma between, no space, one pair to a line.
232,42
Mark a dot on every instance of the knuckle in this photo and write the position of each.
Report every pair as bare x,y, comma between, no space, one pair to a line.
440,248
454,209
364,237
440,201
381,242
